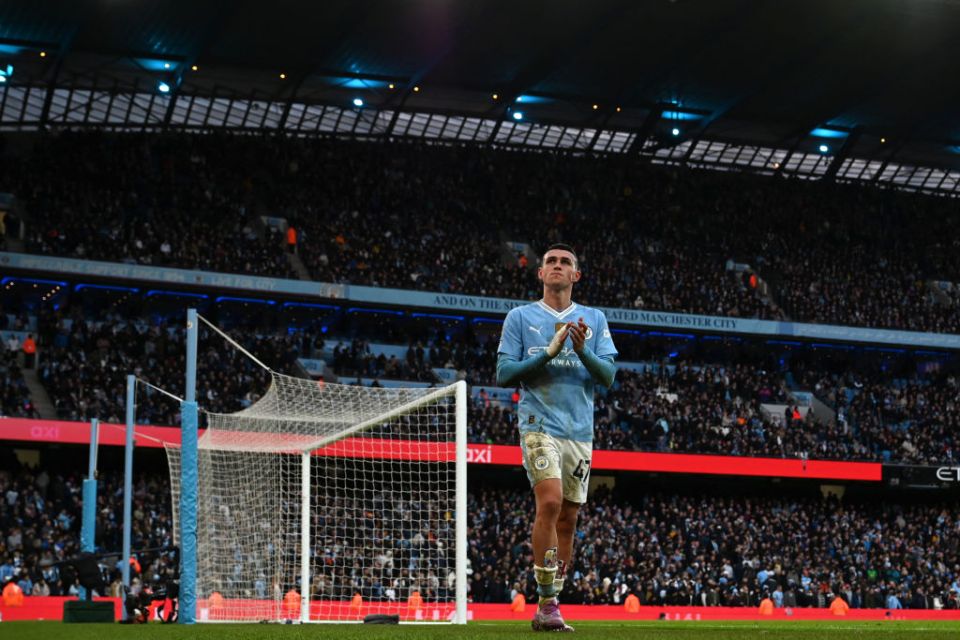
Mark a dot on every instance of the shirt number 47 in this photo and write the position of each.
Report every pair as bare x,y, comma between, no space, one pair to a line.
582,472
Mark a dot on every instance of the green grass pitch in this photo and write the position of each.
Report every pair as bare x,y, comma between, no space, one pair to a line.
482,630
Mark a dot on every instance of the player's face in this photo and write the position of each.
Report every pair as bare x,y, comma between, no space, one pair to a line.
559,269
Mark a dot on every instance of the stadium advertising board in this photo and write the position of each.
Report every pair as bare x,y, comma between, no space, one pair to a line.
922,477
25,430
169,276
465,303
51,608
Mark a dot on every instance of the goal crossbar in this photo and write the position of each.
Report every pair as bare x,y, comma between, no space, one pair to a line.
413,405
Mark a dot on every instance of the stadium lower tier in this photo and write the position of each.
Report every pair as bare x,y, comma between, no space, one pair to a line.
663,540
715,546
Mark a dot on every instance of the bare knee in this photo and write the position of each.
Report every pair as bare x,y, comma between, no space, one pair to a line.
548,509
549,504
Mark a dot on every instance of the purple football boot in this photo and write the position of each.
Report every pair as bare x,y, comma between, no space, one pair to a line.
548,618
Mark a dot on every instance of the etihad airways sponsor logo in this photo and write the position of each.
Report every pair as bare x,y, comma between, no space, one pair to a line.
479,454
566,358
948,474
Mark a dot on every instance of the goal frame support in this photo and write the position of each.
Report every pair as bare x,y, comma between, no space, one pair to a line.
305,537
189,488
461,513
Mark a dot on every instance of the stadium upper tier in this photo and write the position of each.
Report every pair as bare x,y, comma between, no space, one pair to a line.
474,220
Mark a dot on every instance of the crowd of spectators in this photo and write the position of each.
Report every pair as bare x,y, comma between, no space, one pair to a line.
40,517
910,419
473,360
407,221
172,201
717,410
437,218
15,399
408,547
686,407
86,366
666,548
707,550
356,360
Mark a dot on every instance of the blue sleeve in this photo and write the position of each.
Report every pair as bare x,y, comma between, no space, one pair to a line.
601,368
604,345
511,367
511,371
511,343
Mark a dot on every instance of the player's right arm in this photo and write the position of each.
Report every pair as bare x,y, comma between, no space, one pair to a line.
511,368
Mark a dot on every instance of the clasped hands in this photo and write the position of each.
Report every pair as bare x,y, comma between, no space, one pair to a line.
577,331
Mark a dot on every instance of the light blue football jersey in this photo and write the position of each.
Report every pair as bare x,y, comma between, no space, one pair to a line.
559,398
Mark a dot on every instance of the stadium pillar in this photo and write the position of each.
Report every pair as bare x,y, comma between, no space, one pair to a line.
188,481
88,529
128,483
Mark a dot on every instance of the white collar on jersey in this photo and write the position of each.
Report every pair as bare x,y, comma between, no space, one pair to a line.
557,314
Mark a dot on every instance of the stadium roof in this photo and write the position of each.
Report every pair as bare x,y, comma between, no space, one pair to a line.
819,88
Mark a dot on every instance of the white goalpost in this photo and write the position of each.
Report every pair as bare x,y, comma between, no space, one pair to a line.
327,503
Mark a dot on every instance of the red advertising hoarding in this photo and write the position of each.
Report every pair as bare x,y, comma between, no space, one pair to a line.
24,430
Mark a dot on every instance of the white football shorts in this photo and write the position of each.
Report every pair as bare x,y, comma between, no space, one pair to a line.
545,456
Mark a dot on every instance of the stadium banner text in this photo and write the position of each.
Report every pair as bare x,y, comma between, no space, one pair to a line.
922,477
466,303
61,431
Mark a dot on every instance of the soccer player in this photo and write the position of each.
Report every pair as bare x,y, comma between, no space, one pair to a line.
557,351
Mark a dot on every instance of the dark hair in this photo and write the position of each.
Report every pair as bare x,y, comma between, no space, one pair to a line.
562,247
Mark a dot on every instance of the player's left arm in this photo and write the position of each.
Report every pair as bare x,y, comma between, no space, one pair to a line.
599,363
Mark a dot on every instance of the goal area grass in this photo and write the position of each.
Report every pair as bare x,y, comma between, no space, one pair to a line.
805,630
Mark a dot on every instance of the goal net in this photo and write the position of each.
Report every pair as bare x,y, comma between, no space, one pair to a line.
326,502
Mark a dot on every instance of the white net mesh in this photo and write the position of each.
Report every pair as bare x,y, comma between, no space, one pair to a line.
380,515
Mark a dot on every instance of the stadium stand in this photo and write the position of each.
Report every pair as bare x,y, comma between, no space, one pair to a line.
668,548
712,398
40,513
166,201
696,170
87,374
15,399
708,550
400,215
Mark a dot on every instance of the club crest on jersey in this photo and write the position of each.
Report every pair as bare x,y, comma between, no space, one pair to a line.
559,325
